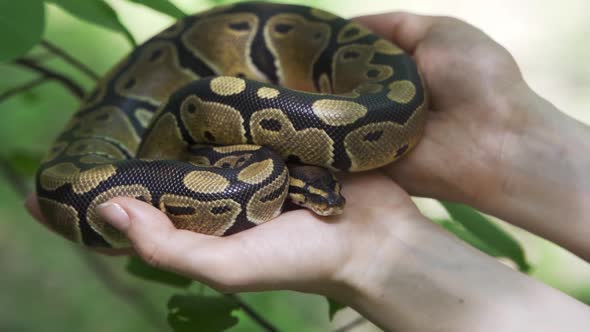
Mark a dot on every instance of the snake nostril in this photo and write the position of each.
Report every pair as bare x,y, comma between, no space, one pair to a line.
402,150
155,55
209,136
129,84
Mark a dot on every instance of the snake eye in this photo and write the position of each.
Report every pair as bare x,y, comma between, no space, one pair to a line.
283,28
155,55
191,108
318,35
373,136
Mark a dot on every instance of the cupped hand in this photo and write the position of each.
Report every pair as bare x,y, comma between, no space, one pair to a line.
297,250
471,82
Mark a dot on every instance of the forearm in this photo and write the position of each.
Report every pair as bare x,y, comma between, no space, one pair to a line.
545,166
437,283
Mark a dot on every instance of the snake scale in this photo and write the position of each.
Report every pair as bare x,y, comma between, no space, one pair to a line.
224,116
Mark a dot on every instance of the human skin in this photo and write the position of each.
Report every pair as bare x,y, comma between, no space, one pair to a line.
489,142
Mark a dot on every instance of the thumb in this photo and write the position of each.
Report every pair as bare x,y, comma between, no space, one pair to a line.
406,30
152,234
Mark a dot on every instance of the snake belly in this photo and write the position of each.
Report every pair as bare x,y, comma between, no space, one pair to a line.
199,120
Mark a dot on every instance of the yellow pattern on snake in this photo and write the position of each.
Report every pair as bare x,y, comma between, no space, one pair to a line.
225,117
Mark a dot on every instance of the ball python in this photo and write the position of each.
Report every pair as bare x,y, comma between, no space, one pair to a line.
226,115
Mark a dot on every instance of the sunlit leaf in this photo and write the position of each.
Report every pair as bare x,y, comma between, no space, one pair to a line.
191,313
488,232
465,235
21,27
333,307
24,162
140,269
97,12
163,6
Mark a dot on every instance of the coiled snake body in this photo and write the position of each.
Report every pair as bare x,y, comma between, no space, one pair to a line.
199,120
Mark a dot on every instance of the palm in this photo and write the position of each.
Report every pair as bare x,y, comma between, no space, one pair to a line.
469,78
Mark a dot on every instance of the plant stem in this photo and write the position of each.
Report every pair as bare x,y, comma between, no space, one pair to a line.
68,83
16,181
266,325
104,273
70,59
23,88
131,295
350,325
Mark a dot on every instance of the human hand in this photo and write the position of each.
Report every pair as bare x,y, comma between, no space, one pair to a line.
298,250
490,141
470,81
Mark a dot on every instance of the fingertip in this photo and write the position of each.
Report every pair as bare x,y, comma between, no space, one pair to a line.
404,28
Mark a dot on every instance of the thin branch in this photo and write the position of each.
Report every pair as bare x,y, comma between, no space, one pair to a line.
119,288
266,325
16,181
23,88
349,326
72,86
70,59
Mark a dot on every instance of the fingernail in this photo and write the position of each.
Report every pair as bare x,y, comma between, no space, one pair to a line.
114,214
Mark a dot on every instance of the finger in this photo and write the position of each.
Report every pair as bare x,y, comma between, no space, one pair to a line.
407,30
32,206
218,262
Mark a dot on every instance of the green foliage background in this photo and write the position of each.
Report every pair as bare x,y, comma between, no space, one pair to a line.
49,284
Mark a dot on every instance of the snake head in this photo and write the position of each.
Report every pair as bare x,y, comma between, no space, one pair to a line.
316,189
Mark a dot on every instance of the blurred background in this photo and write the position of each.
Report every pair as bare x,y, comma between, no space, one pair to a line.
47,284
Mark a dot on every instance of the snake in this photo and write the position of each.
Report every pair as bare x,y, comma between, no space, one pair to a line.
228,117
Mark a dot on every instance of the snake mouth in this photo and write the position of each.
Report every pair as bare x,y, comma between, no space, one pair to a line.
323,207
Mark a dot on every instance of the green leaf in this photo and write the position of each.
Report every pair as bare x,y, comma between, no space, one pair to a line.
488,232
96,12
465,235
333,307
21,27
190,313
163,6
142,270
24,162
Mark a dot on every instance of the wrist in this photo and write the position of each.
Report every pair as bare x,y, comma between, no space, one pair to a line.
424,277
543,183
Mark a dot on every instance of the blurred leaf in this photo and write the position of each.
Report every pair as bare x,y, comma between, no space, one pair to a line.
142,270
333,307
96,12
21,27
190,313
24,162
465,235
162,6
488,232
